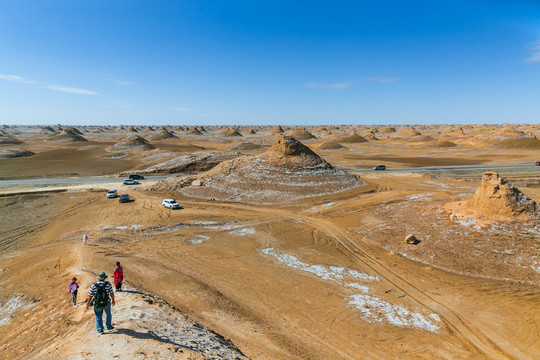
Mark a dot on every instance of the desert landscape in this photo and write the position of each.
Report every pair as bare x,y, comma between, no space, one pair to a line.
287,245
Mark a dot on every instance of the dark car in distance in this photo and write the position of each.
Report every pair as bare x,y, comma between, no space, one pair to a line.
136,177
124,198
537,163
379,167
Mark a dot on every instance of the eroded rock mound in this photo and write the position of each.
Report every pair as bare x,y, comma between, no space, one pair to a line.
194,131
353,138
288,171
6,139
331,145
69,134
164,134
192,163
277,130
496,200
230,132
135,142
15,153
301,134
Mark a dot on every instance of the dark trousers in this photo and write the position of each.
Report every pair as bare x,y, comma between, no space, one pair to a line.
74,294
119,287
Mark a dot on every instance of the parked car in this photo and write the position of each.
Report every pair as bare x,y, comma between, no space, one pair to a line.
170,204
111,194
130,182
379,167
124,198
538,163
136,177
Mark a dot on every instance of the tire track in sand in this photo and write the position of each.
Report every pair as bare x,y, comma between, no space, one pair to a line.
472,334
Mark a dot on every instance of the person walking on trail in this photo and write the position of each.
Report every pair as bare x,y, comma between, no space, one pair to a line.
118,276
101,295
84,239
73,287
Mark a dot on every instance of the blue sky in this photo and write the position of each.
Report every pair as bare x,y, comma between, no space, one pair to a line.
272,62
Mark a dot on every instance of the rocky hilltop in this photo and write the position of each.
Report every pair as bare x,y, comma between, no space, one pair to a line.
288,171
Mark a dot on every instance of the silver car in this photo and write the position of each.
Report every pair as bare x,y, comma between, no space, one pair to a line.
170,204
111,194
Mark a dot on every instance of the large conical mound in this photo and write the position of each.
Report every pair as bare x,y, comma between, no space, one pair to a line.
288,150
134,142
497,199
288,171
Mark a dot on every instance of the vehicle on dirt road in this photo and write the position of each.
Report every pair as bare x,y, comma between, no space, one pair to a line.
111,194
537,163
136,177
379,167
170,204
130,182
124,198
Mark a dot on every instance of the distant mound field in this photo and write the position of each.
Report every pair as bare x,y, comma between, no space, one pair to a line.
288,171
507,138
134,142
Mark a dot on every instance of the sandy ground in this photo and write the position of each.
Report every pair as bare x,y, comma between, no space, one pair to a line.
319,278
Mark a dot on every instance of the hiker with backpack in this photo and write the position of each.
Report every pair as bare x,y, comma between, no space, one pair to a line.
98,296
73,287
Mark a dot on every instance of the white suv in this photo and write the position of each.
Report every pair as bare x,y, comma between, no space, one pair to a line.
111,194
170,204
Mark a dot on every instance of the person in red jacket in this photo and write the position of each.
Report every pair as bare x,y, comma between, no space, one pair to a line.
118,276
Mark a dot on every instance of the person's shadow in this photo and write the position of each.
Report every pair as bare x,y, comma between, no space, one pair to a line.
150,336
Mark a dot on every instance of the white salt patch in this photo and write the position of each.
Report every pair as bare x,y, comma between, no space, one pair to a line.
375,309
136,226
371,308
243,232
419,197
105,227
121,227
199,239
11,306
468,222
363,288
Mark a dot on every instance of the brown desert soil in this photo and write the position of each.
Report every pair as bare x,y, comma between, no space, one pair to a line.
314,277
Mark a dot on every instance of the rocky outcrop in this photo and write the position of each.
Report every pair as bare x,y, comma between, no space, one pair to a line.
496,200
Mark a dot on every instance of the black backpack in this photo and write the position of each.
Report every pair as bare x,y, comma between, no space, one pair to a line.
101,299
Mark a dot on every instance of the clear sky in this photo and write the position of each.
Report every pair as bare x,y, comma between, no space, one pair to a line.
269,62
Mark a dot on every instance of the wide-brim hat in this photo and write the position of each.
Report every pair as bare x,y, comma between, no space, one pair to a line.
102,276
